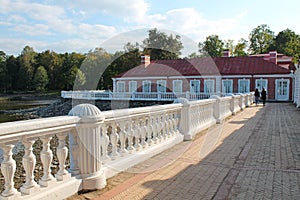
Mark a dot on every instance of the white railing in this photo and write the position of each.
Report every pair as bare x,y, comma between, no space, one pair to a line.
153,96
26,133
99,144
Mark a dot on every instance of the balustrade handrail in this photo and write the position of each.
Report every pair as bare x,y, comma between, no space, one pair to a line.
12,131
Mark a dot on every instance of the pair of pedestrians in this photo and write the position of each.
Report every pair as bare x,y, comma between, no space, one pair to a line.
262,95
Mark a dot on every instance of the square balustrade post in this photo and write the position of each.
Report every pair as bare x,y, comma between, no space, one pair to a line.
86,147
217,109
185,121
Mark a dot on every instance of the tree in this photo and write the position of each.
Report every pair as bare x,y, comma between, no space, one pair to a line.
240,48
12,66
212,46
288,43
261,38
160,46
3,72
229,45
26,70
40,79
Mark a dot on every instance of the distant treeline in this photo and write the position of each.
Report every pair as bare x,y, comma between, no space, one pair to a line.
51,71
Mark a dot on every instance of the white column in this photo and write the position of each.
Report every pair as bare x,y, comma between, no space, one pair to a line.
29,162
8,169
89,145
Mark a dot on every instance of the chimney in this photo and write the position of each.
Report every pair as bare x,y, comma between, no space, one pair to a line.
226,53
273,56
145,60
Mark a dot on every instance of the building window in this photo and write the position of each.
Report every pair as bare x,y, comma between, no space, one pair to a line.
146,86
132,86
120,86
244,85
227,86
260,84
209,86
161,86
195,86
177,86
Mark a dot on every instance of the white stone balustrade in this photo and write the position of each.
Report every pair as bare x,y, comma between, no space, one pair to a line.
102,144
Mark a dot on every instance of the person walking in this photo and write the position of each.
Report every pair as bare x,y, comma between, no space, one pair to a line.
264,96
257,95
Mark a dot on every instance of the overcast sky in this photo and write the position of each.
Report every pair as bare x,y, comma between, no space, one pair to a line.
82,25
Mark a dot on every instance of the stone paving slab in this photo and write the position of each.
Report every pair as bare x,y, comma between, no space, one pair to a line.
252,155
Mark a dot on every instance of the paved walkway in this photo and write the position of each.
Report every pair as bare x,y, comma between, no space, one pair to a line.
253,155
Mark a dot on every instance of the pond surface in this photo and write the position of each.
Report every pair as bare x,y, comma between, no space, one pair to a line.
15,105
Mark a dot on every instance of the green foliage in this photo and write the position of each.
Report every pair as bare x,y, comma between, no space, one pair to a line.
240,48
212,46
49,70
288,43
261,39
160,46
40,79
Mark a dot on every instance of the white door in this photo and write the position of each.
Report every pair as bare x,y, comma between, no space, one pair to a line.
282,89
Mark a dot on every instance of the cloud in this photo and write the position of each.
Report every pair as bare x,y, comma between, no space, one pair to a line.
192,23
33,30
125,9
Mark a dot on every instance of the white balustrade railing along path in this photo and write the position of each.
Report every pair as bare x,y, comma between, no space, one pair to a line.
152,96
99,145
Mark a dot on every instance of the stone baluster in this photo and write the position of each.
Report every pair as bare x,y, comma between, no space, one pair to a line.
8,169
74,147
130,147
29,162
163,126
137,130
154,130
123,135
169,125
149,132
143,132
62,153
46,158
158,129
114,138
104,143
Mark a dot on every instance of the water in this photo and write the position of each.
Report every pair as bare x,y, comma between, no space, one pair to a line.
15,105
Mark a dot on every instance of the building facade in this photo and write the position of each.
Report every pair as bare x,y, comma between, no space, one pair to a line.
221,75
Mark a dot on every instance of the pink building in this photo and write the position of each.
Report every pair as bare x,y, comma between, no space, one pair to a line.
226,75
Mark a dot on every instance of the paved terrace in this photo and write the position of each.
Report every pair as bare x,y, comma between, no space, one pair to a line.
253,155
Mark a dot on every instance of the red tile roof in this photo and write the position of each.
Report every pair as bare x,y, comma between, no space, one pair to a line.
243,65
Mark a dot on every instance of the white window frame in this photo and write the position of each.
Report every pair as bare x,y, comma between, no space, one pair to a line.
132,86
175,88
192,86
247,84
148,84
207,83
230,86
260,86
161,86
120,86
